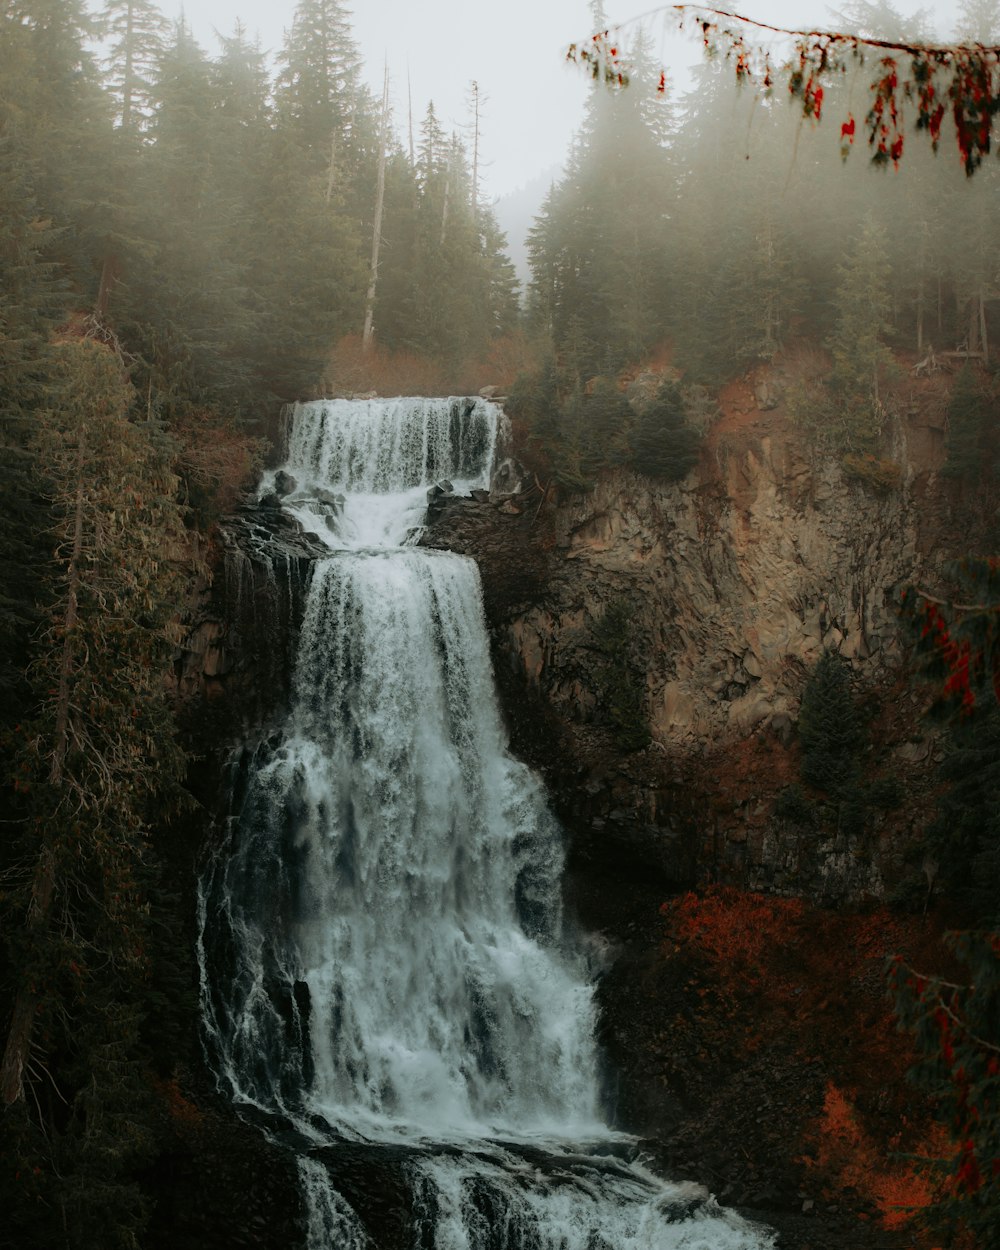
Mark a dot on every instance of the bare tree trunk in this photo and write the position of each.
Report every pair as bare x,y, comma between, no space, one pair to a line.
409,110
983,339
444,206
475,154
332,169
18,1046
369,330
109,276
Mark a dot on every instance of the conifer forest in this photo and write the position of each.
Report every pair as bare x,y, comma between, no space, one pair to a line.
499,760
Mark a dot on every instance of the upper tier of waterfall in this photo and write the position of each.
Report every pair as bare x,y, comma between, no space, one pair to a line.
361,468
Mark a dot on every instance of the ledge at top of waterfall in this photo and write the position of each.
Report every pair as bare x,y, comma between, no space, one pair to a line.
357,472
385,965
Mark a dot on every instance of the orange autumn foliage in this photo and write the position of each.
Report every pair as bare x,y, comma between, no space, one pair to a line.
791,976
732,926
847,1152
180,1108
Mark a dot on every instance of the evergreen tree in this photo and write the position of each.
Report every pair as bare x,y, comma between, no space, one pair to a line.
662,443
623,696
970,440
318,85
603,419
862,308
597,250
979,21
101,747
830,729
965,836
32,298
135,31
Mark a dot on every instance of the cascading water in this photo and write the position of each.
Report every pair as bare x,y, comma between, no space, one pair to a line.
386,974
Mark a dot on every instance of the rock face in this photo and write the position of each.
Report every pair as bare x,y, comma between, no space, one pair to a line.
735,585
734,581
238,655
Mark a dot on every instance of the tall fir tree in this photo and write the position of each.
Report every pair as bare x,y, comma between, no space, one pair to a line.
134,31
858,343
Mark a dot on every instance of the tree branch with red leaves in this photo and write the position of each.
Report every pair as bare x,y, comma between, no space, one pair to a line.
924,81
954,1027
958,638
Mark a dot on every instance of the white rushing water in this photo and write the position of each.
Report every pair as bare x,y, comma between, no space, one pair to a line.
386,969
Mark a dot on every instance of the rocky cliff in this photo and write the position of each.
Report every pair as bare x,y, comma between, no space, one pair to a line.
727,587
733,582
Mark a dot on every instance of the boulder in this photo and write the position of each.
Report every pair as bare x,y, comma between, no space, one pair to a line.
439,490
284,483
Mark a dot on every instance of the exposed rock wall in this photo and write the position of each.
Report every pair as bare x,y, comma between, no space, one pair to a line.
234,671
735,581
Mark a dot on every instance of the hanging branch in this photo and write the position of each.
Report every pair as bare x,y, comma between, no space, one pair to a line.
963,79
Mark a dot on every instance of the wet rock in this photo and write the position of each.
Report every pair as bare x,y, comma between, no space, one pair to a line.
327,497
439,489
510,477
284,483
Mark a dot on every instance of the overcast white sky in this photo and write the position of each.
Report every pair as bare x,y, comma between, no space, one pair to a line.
513,48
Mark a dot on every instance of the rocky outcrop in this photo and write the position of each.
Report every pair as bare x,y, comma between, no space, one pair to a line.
734,581
236,663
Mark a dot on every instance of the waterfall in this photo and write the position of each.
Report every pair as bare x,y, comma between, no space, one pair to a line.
387,975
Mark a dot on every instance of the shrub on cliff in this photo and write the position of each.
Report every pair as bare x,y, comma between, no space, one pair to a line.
623,676
663,445
830,728
970,443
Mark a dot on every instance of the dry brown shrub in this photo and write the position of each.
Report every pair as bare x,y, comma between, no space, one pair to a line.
215,459
352,371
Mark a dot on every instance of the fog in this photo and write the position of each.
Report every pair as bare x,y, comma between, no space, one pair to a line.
514,50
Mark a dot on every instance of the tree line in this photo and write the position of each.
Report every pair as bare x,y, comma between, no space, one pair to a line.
723,228
184,237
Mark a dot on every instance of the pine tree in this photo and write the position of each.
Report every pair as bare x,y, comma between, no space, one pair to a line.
862,310
970,443
101,746
623,676
135,31
663,445
318,86
188,314
598,252
33,296
978,20
965,836
603,419
830,728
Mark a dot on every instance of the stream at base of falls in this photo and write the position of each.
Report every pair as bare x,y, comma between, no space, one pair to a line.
389,984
